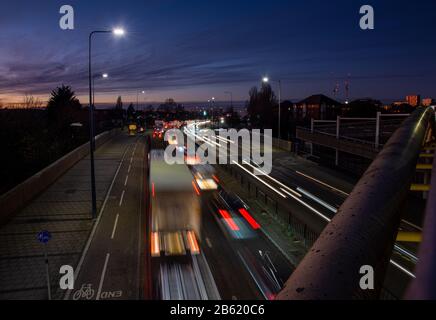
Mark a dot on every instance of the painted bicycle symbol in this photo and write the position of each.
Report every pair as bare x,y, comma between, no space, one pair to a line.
85,292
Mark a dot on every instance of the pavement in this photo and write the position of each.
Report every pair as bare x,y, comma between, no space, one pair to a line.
64,210
109,267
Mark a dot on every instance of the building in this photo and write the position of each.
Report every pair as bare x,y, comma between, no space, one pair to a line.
414,100
426,102
318,107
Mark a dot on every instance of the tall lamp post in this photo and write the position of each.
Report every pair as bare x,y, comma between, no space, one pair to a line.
117,32
137,98
212,103
103,76
97,76
231,97
266,80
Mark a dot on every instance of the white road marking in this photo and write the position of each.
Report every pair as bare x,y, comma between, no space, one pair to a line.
130,167
318,200
125,182
402,268
115,226
91,236
412,225
103,273
209,244
273,179
122,197
256,177
322,183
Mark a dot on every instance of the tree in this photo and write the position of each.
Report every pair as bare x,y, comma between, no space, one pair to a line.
30,102
62,105
260,106
130,111
119,104
118,112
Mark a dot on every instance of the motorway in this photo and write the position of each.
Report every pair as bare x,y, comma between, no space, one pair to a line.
237,261
304,192
115,262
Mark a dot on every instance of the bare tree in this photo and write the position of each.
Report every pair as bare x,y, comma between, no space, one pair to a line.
30,102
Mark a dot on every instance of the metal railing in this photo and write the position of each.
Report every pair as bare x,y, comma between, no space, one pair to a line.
363,231
424,285
355,140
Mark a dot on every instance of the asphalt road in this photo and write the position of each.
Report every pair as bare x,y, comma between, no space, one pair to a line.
114,264
322,199
111,265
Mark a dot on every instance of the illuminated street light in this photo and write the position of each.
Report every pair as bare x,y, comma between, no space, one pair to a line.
117,32
231,97
137,98
96,76
265,79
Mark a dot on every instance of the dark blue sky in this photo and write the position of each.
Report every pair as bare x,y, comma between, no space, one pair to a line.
192,50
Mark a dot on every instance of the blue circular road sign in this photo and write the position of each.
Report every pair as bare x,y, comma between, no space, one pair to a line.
44,236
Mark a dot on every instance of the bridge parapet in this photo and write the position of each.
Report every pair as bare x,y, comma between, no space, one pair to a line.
364,229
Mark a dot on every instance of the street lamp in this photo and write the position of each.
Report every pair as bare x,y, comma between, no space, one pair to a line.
212,100
137,98
231,97
266,80
103,76
117,32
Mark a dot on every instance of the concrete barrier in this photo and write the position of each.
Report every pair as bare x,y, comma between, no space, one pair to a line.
16,198
282,144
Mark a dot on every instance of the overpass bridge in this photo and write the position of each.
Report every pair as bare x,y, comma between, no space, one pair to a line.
345,140
307,215
364,229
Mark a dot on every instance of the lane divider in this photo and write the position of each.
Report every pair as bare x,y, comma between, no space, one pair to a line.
103,274
115,226
122,197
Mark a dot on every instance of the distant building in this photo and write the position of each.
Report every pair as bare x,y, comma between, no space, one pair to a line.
428,102
414,100
399,103
318,106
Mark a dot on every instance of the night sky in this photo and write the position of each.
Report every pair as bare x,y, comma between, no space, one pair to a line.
193,50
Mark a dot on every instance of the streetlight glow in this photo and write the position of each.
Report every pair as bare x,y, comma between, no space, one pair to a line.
265,79
118,31
105,75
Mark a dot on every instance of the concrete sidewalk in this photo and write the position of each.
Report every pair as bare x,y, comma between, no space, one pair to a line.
64,209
